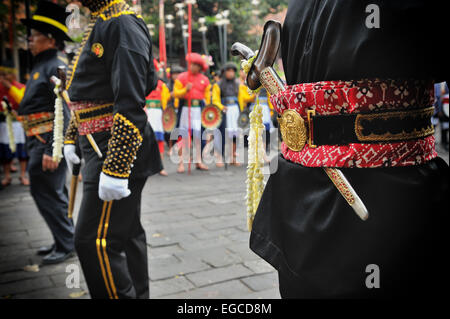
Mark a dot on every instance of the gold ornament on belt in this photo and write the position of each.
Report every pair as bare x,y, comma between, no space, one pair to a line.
293,130
260,72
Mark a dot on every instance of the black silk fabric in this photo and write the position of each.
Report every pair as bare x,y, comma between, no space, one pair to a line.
329,40
308,232
303,226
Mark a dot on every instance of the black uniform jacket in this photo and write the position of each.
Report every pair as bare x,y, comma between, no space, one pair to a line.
116,65
303,226
39,96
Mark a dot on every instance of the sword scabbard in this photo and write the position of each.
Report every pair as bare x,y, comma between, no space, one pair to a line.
72,195
94,145
274,85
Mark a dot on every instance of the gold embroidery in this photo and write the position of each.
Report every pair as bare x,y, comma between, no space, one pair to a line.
106,17
74,64
35,76
115,9
415,134
293,130
71,132
109,5
122,147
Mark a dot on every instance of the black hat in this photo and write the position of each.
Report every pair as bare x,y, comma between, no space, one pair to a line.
49,19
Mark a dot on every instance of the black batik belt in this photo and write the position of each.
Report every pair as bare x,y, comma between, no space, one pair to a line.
374,127
94,112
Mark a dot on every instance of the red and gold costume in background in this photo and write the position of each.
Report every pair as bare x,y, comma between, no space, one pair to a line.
156,102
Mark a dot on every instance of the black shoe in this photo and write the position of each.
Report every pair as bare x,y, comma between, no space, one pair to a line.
45,250
57,257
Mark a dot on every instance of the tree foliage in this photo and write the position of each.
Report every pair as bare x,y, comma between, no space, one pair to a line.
242,19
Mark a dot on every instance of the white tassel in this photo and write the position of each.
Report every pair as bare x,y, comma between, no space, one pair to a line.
58,125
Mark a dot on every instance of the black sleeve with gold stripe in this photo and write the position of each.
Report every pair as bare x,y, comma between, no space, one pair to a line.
71,132
122,148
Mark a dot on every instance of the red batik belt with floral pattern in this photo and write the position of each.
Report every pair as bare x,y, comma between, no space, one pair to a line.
92,117
364,123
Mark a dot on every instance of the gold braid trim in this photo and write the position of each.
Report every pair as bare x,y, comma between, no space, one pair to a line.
71,132
122,147
74,63
98,243
112,10
103,6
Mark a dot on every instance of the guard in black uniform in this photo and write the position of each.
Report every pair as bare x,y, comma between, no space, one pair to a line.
108,81
303,226
37,101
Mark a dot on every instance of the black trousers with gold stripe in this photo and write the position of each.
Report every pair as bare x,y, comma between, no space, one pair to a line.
111,244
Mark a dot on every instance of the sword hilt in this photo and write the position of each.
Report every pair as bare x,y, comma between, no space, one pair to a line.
239,49
267,53
262,73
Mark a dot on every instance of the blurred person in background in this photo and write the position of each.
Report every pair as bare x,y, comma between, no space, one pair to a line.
36,112
7,80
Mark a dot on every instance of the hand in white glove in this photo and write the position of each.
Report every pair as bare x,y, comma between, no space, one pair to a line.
111,188
71,156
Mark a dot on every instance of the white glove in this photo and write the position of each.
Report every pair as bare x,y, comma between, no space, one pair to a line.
111,188
71,156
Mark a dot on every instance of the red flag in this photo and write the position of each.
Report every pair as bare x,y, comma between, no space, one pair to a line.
162,35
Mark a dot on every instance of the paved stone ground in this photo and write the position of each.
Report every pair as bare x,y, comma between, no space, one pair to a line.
196,232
